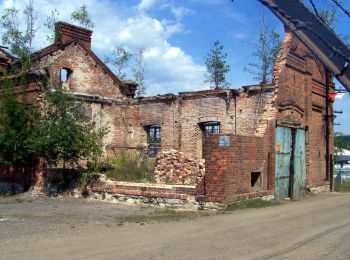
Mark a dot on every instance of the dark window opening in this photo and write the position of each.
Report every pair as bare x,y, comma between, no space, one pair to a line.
154,139
255,179
64,74
211,127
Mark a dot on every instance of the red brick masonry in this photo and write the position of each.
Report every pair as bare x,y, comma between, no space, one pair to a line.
181,192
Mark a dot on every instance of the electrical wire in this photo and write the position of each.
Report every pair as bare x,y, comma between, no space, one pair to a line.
316,11
337,3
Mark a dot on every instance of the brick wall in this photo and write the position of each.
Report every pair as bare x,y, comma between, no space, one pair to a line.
229,169
300,81
87,76
180,118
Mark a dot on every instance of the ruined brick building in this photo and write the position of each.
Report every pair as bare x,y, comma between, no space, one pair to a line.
255,140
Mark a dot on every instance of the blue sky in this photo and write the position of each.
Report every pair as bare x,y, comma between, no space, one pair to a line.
176,36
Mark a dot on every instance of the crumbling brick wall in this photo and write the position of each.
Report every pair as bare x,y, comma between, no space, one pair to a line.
300,81
229,168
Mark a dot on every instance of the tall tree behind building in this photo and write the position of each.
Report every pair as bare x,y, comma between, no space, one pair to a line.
138,71
328,15
265,51
82,17
50,24
19,41
120,60
217,67
128,65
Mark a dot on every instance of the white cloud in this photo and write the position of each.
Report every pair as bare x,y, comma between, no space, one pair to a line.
168,68
180,12
146,4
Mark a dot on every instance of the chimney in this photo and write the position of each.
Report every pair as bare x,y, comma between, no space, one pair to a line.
68,32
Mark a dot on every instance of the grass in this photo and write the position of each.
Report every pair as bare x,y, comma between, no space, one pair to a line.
127,167
254,203
166,215
12,200
342,186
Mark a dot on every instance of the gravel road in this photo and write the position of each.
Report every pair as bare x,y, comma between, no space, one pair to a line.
314,228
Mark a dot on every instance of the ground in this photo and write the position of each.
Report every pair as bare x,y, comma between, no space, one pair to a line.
314,228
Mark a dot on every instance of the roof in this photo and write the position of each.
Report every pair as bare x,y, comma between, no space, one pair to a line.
320,39
6,55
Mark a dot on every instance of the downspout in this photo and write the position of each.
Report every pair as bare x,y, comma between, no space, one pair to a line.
235,114
327,131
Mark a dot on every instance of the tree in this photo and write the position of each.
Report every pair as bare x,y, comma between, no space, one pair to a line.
340,144
138,72
265,52
50,24
217,68
329,15
20,42
67,134
120,60
82,17
19,129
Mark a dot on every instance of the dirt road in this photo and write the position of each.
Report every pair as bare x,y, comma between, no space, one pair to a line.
314,228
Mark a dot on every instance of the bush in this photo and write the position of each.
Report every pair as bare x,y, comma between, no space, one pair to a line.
343,186
129,167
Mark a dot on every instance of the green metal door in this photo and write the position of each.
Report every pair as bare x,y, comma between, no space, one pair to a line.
283,150
299,163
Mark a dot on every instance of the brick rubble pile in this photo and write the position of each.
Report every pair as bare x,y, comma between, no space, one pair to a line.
174,168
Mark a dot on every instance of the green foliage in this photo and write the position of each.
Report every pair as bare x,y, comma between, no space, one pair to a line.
138,71
67,133
50,24
254,203
329,16
217,68
343,186
19,129
20,41
265,52
127,167
82,17
61,132
340,143
120,61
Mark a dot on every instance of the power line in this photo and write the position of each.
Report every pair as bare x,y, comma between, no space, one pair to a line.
341,7
316,11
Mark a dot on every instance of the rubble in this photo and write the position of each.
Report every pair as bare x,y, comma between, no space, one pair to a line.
174,168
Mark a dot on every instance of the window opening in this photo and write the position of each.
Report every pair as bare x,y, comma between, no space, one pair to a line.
64,74
255,179
211,128
154,139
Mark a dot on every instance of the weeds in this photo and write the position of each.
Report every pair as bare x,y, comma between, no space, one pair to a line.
129,167
254,203
343,186
160,216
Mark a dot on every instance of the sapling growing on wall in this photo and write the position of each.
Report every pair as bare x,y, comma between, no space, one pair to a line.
217,68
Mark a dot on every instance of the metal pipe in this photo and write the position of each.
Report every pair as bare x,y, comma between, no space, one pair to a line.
327,127
331,171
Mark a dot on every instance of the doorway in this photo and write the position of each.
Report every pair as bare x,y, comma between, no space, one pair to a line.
290,169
